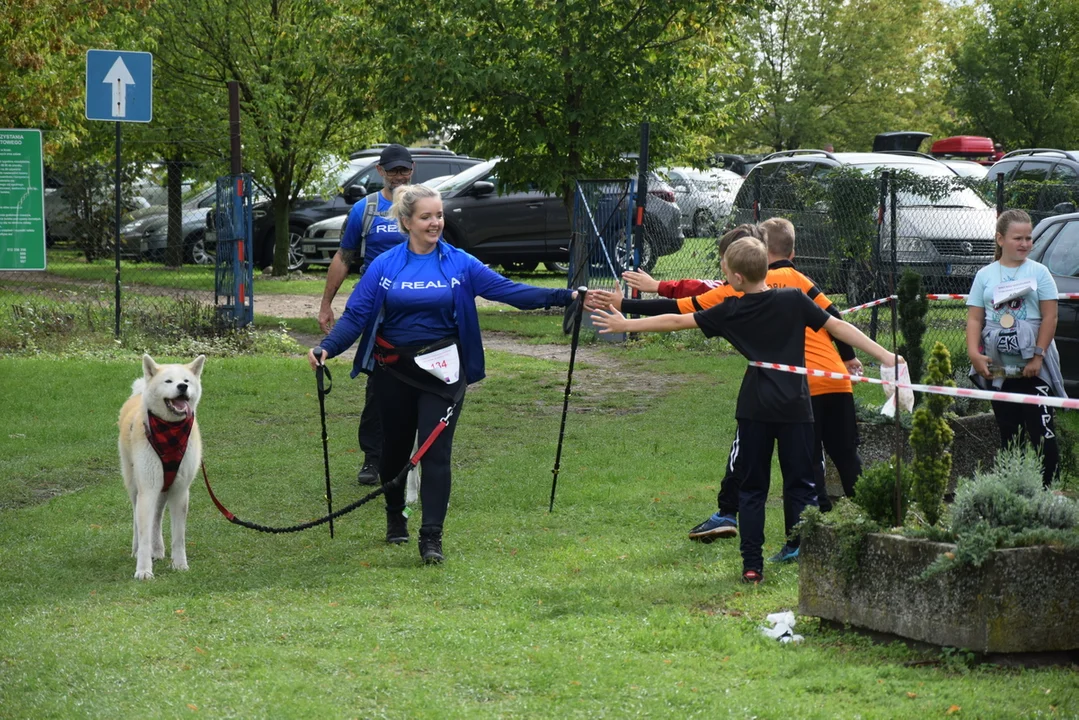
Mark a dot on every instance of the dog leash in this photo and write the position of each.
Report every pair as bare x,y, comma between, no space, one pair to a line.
330,514
396,482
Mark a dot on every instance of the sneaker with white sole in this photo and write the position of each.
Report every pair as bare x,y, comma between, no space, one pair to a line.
786,554
717,526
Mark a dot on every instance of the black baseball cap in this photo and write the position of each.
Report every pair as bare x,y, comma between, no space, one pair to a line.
395,156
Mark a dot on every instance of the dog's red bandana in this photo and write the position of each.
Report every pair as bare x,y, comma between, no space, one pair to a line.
169,440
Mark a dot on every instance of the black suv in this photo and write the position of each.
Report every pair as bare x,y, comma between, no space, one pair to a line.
519,230
356,179
1056,245
1042,181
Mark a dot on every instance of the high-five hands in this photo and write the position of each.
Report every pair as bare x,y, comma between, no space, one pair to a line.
600,299
608,320
640,280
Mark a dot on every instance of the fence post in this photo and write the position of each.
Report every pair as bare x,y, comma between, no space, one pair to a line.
1000,194
878,280
757,198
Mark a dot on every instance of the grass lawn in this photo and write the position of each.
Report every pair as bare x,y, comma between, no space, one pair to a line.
600,609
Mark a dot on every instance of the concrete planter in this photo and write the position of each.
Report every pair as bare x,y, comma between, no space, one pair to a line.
1020,600
977,441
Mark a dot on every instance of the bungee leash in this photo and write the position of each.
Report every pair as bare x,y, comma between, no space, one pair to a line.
581,293
331,515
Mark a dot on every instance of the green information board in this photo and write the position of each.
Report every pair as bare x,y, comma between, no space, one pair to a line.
22,201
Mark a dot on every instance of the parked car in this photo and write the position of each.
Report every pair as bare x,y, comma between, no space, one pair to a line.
967,168
704,197
946,239
1056,245
521,229
355,180
1042,181
145,236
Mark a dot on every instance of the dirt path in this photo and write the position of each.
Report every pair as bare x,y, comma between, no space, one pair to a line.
599,374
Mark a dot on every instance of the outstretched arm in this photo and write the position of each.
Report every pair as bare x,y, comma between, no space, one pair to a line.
612,321
842,330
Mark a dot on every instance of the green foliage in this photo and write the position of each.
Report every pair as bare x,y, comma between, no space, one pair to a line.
931,439
160,327
557,89
875,492
1015,75
1007,507
850,524
912,309
804,68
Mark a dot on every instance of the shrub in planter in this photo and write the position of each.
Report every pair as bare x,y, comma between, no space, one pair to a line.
875,492
912,308
931,439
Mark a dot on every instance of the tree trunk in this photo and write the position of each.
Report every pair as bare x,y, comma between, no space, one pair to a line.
174,250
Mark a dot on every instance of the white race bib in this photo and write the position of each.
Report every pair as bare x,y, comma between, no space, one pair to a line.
444,363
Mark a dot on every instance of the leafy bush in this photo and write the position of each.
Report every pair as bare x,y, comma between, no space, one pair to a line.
931,439
875,492
1007,507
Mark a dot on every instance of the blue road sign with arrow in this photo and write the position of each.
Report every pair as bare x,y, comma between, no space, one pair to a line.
119,86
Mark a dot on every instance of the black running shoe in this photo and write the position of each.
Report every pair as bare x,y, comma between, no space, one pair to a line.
368,474
396,528
431,547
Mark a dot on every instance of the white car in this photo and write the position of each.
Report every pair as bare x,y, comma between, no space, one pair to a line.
321,240
704,197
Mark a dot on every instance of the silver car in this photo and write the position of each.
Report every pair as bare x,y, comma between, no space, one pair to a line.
145,236
705,197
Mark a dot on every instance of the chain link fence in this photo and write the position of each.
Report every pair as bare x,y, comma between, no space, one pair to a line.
856,233
166,270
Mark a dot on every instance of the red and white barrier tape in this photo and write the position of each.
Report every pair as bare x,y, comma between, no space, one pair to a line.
1069,403
936,296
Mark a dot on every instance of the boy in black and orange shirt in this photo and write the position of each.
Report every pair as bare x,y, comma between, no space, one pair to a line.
835,422
773,406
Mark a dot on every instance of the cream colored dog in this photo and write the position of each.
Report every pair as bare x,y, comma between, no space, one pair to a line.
160,451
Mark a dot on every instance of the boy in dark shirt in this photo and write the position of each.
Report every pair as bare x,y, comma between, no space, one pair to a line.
773,406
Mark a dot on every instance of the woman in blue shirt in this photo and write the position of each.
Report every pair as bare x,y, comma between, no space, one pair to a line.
1011,321
414,299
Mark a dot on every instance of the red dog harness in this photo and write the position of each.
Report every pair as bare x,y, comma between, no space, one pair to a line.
169,440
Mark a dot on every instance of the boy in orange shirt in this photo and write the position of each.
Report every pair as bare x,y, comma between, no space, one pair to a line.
765,324
835,423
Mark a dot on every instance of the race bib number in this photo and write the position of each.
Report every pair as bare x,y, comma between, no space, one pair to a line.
444,364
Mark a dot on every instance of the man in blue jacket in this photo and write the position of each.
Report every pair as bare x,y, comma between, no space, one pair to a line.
368,233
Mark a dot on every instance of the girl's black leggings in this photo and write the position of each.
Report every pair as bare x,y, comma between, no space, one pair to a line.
404,410
1033,421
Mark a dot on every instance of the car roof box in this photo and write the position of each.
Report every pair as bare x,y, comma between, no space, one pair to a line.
963,146
905,140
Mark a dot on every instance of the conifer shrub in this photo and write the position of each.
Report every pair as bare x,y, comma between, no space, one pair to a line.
931,439
875,492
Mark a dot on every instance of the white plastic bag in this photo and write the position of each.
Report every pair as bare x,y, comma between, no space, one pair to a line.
412,484
906,395
783,628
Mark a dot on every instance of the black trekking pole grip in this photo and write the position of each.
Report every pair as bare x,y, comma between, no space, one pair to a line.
582,293
320,370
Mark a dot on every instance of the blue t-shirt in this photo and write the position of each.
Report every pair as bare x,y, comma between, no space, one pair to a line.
1021,308
419,303
384,231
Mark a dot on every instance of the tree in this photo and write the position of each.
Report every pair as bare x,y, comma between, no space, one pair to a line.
42,71
812,72
557,88
304,75
1015,77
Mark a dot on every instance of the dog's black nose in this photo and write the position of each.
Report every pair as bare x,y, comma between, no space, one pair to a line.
182,388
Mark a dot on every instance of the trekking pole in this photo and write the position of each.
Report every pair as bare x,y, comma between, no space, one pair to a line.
321,369
581,292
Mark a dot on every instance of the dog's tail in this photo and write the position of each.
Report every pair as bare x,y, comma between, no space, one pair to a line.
138,386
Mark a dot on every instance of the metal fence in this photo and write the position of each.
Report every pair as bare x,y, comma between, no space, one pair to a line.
166,268
855,234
